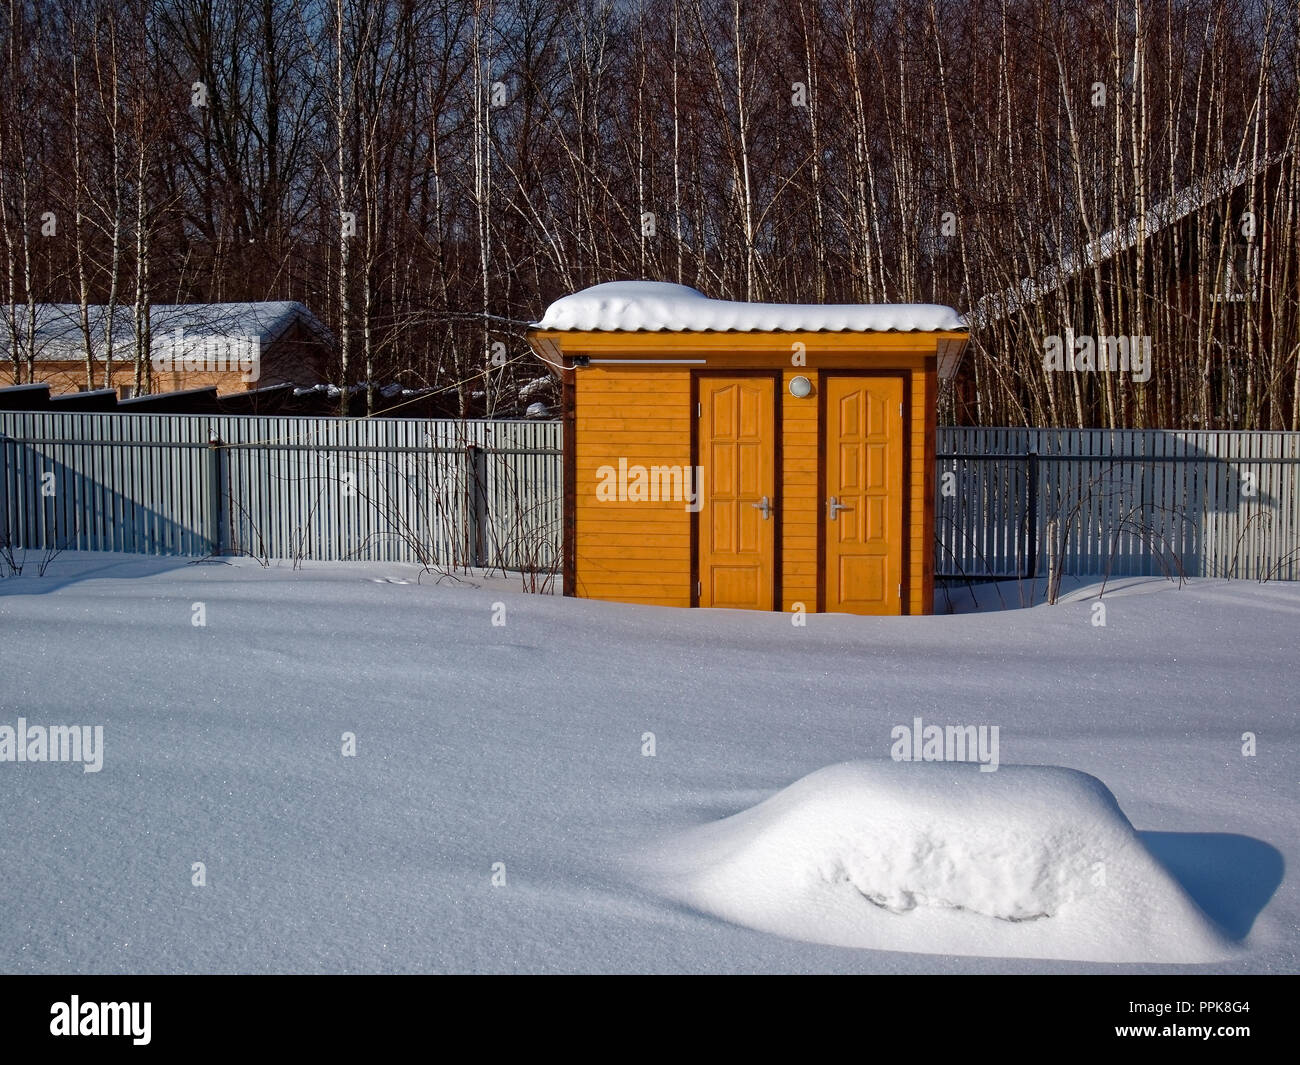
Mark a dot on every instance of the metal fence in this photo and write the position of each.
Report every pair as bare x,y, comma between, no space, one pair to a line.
446,493
1018,502
1009,502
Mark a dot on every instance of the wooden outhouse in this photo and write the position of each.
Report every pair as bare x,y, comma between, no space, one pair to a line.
747,455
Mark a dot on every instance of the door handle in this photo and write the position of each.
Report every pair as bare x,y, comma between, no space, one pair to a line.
765,505
834,506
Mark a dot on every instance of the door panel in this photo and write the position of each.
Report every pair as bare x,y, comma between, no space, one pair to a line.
864,476
737,543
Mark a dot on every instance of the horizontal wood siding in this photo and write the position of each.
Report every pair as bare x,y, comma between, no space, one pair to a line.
920,547
642,551
800,460
927,489
634,552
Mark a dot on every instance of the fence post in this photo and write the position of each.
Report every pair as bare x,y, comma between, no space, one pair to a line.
4,490
1031,512
216,483
476,503
1053,563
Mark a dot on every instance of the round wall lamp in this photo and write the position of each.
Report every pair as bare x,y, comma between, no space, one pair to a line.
800,387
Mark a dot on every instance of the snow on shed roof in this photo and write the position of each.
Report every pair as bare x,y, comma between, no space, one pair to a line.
59,337
656,306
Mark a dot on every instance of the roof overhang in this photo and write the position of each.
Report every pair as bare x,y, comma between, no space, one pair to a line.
660,322
555,346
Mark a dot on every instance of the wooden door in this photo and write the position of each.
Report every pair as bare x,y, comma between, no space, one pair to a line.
738,520
864,494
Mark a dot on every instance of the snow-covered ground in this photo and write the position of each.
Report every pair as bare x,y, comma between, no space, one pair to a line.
502,811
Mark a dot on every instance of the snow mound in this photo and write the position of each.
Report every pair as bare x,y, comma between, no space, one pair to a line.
939,858
631,306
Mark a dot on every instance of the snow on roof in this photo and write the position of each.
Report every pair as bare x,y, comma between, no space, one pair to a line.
59,337
656,306
1200,194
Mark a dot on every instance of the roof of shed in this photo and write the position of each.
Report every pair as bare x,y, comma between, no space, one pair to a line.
657,306
59,337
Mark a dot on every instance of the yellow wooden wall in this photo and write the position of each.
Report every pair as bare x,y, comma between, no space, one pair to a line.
640,552
799,504
632,552
918,587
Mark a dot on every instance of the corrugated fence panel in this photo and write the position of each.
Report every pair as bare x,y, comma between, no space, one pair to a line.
104,482
439,492
1124,503
1010,502
525,493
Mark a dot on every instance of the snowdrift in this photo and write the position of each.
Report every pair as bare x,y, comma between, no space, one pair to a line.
939,858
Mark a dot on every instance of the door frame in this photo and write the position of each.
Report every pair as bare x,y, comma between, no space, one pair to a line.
905,502
777,378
